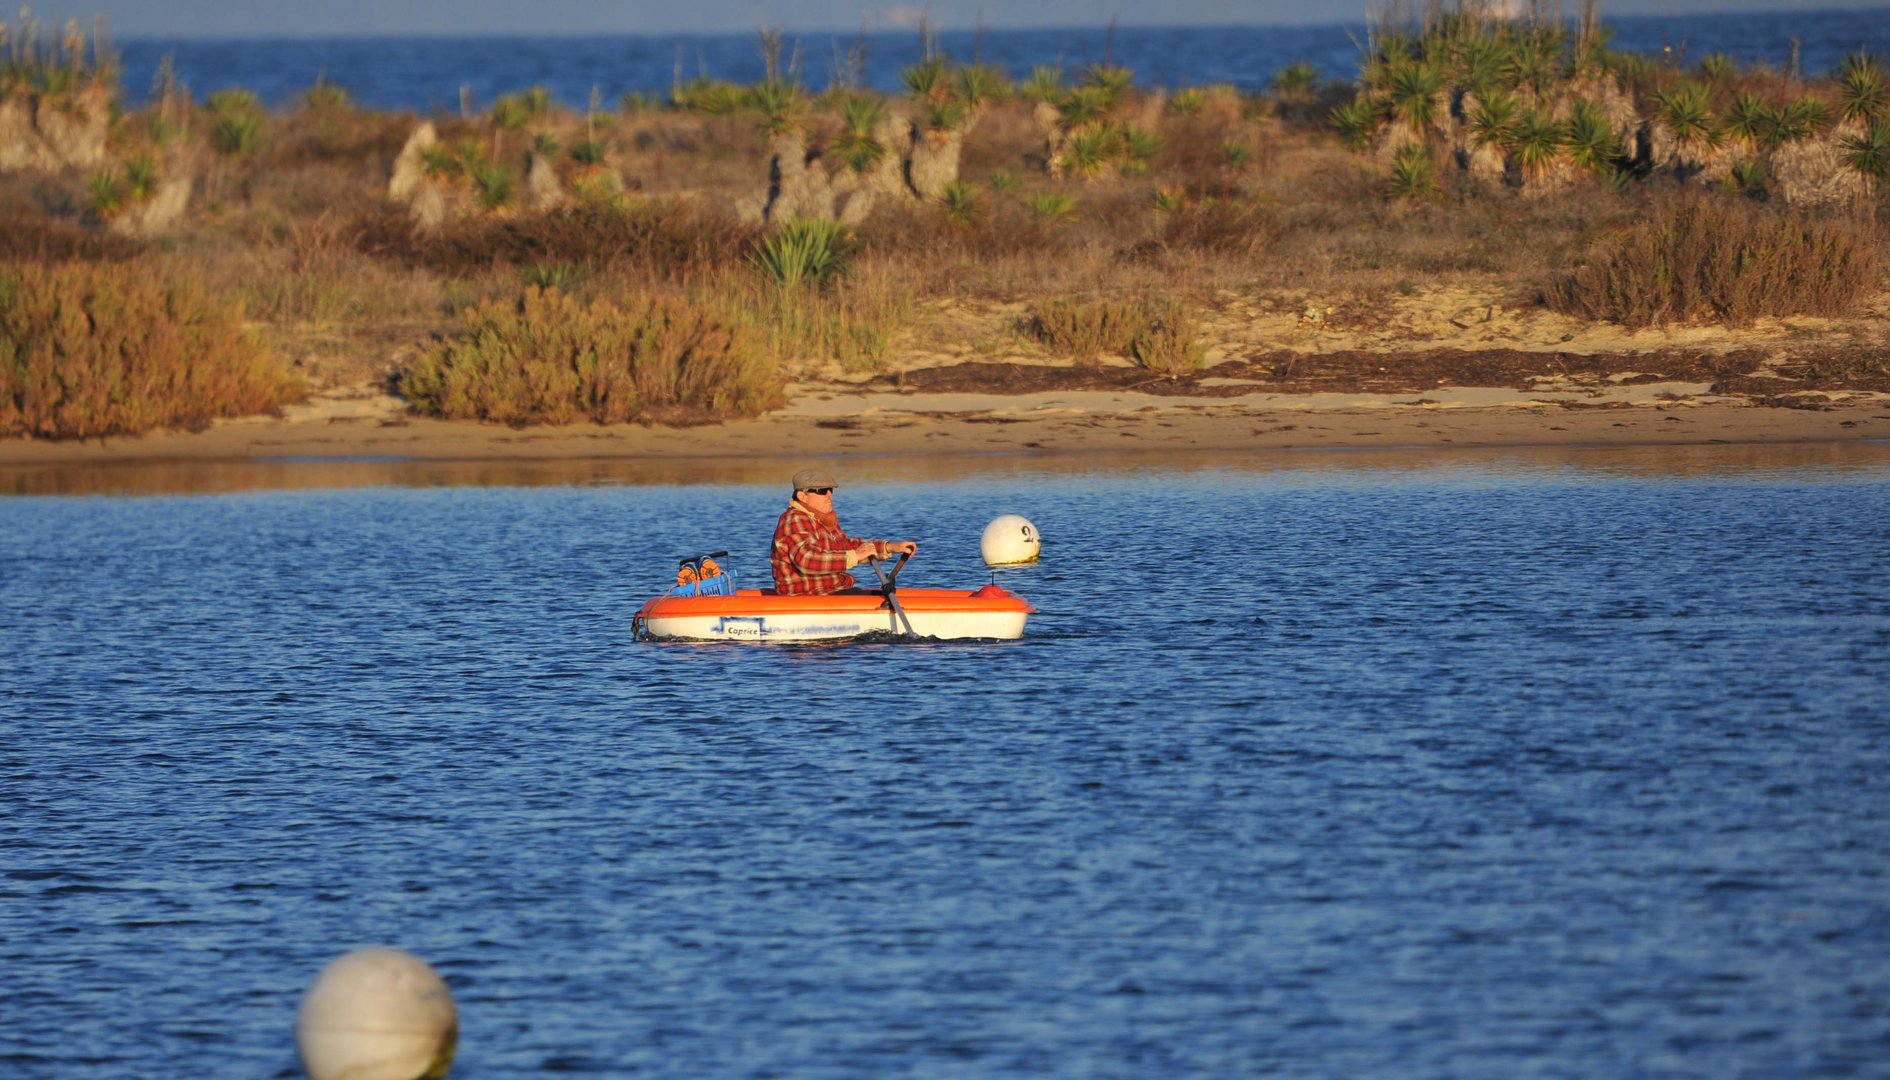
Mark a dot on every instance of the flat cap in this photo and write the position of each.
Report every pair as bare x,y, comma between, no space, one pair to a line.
813,478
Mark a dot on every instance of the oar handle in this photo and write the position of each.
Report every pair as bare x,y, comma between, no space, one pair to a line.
888,578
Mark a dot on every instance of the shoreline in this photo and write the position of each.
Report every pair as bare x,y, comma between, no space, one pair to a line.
850,420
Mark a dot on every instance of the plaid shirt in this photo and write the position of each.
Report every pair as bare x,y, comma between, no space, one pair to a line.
809,557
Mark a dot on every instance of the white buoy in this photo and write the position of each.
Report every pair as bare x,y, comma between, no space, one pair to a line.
1009,540
377,1014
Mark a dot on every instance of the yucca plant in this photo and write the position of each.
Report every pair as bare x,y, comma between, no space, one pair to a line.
1296,81
1688,113
1139,147
1869,153
1045,84
1356,121
1083,105
1750,119
1590,140
1535,59
1482,66
1112,81
105,194
324,95
141,177
1413,172
1806,118
1413,91
440,164
802,251
1051,207
940,117
1187,101
545,145
492,184
234,100
1748,178
1092,148
1236,154
1718,68
927,80
1863,93
236,134
1169,200
777,102
1537,142
711,97
560,275
1493,120
856,144
1002,180
961,203
980,85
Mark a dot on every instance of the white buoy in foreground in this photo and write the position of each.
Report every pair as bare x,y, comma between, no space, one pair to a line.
377,1014
1009,540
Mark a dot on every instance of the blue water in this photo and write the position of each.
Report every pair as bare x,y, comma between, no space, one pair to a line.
1484,765
427,74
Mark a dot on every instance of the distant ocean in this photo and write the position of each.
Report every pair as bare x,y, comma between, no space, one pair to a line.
427,75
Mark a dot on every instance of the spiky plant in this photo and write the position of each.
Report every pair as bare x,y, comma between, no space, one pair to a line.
778,103
105,194
1002,180
943,117
1748,177
141,177
1750,119
1169,200
1863,92
803,251
1045,84
234,100
1413,172
962,204
1482,66
1535,59
1092,148
1688,112
856,145
927,80
1590,140
1083,105
492,184
1236,154
980,85
1356,121
590,152
1719,68
1296,81
1187,101
1806,118
440,164
1140,145
1869,153
1050,207
1537,142
237,134
711,97
545,144
1414,91
324,95
1493,120
1112,81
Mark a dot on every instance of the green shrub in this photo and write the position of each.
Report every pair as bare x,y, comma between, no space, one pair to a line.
804,250
237,135
546,358
1699,258
93,351
1167,341
1157,334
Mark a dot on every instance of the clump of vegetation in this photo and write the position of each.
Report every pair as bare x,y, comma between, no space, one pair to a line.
1158,334
1696,258
92,351
549,358
804,251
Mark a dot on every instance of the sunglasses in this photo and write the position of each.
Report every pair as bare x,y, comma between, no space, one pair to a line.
818,491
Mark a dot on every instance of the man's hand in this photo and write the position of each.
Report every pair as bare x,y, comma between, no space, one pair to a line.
897,546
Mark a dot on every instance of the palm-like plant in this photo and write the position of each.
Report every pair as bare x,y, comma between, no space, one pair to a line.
1091,148
1493,121
1482,65
1045,84
962,204
1589,138
1413,90
141,177
1295,81
1083,105
1869,153
1535,59
856,144
980,85
927,80
1050,207
1863,93
1718,68
778,102
803,251
1414,172
1355,121
1188,101
1113,82
1688,113
1537,142
1806,118
492,184
1750,119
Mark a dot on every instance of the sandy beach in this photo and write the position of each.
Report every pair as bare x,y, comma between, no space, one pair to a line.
1442,368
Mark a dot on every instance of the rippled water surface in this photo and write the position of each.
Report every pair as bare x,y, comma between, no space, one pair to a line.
1568,764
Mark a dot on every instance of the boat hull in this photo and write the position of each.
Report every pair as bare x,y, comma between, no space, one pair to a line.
754,615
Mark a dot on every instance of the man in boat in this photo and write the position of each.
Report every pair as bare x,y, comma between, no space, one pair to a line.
811,553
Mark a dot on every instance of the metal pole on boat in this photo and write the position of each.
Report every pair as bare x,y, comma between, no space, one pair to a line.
887,586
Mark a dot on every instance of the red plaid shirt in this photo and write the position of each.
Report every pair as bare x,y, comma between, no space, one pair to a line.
809,557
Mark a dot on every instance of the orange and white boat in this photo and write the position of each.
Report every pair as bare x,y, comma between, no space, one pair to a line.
713,609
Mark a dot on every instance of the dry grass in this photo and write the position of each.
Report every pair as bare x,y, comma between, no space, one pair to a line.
1696,258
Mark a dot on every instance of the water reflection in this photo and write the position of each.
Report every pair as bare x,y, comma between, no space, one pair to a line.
224,477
